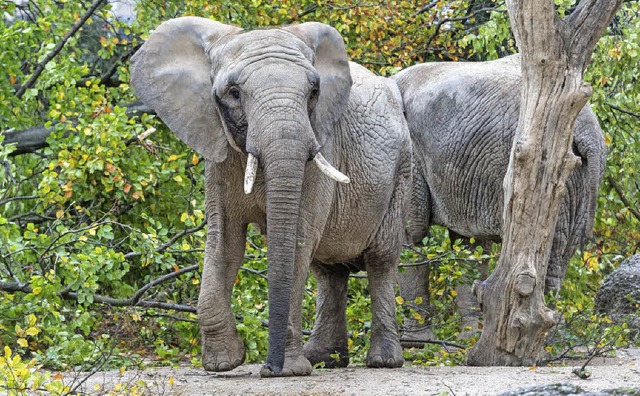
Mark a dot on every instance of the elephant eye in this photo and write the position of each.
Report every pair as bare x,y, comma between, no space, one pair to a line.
234,91
314,93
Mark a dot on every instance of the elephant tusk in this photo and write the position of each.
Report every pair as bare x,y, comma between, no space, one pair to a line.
250,173
328,169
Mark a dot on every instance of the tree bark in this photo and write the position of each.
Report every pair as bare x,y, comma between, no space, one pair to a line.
554,54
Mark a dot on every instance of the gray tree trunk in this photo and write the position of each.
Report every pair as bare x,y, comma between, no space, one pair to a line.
554,54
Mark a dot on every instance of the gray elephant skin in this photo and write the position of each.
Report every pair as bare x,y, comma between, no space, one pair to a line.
462,119
287,106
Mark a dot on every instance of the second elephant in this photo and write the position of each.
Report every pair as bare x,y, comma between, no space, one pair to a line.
462,119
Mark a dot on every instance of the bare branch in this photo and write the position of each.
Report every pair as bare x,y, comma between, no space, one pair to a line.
7,200
427,7
623,197
457,19
56,50
621,110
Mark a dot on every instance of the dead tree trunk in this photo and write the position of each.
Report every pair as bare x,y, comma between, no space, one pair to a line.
554,54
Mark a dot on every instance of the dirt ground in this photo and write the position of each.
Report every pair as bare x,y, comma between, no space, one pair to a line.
620,371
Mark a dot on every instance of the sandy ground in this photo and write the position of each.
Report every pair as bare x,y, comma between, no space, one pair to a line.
621,371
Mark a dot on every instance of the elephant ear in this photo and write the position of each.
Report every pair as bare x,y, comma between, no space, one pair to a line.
171,73
332,64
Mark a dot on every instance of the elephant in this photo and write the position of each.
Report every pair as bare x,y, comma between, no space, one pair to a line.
462,118
313,149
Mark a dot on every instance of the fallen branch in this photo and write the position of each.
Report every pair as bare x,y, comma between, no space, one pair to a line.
437,342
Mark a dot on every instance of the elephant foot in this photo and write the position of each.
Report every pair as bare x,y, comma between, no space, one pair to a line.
222,353
332,357
387,353
296,365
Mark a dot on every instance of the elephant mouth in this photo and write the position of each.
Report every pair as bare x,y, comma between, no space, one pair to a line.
321,162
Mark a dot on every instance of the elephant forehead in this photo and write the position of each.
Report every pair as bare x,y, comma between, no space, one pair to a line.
256,45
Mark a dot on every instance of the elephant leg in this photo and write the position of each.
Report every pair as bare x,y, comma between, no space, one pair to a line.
222,347
466,302
413,284
329,336
385,349
295,362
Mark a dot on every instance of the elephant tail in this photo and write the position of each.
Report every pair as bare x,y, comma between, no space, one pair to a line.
590,145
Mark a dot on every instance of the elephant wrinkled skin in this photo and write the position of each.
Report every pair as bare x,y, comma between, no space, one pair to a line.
288,102
462,119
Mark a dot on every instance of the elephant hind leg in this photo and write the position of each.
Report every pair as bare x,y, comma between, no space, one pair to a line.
328,343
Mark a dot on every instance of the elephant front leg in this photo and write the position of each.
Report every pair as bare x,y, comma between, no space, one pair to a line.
222,347
328,343
385,350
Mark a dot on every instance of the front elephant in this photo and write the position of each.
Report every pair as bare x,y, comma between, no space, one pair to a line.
462,118
270,110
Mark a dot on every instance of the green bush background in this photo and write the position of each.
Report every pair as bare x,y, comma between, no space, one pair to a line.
98,213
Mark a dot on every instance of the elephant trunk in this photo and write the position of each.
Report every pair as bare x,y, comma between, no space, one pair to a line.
283,164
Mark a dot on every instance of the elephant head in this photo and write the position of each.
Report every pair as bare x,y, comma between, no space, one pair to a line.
273,95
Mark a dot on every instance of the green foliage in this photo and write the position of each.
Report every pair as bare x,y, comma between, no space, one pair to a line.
99,213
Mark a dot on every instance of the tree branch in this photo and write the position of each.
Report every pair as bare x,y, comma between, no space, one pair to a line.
623,198
586,24
7,200
168,244
56,50
457,19
621,110
35,138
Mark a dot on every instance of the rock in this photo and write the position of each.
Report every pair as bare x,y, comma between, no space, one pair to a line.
563,389
619,294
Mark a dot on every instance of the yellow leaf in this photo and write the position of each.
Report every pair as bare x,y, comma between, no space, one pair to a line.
32,331
22,342
454,293
32,319
37,290
59,214
122,370
19,330
172,157
170,380
195,160
416,315
400,300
